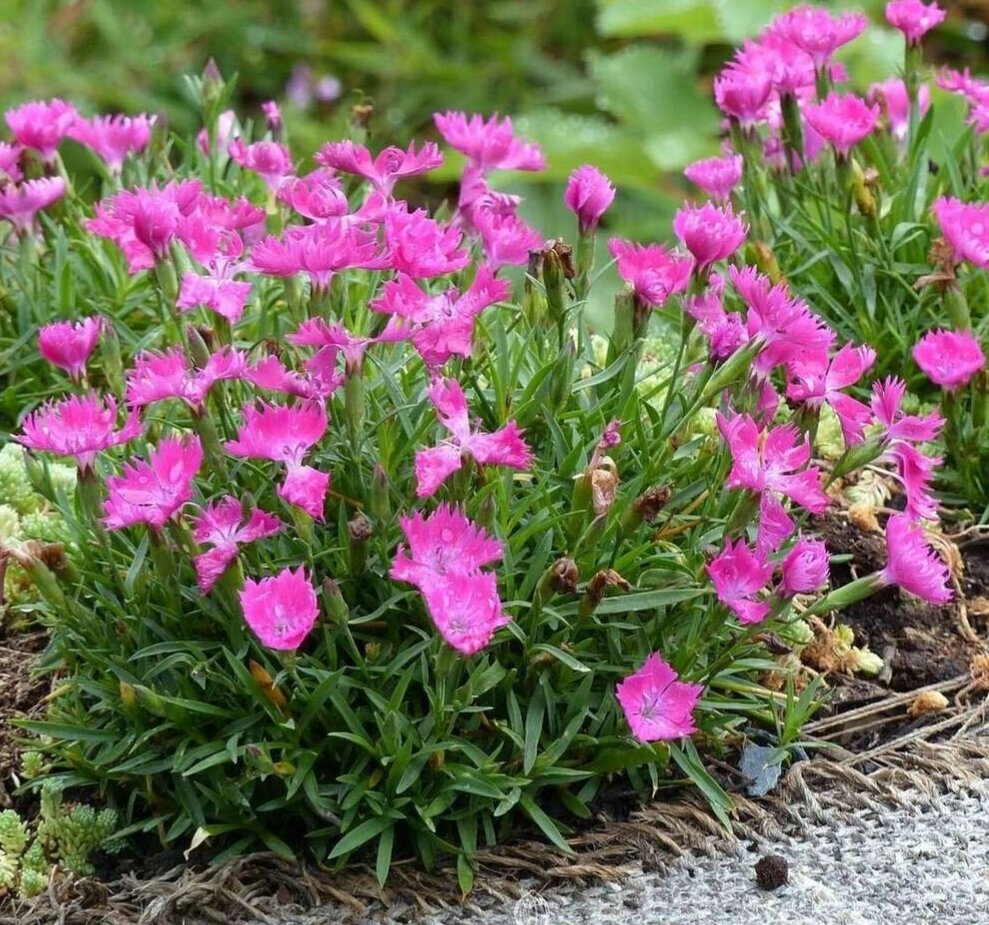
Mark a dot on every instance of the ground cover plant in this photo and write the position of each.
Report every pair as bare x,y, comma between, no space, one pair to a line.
375,543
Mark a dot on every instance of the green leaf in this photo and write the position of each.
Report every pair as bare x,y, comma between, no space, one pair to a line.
361,835
546,825
689,762
382,863
533,730
465,874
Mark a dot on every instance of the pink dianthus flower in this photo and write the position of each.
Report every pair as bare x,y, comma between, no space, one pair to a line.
280,609
738,575
68,345
710,233
588,195
913,18
221,524
716,176
658,707
912,564
491,144
949,358
842,119
653,272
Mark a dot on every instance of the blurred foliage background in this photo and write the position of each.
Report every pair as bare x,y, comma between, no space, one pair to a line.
624,84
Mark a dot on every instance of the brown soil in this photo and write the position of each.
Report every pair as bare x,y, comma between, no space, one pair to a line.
21,695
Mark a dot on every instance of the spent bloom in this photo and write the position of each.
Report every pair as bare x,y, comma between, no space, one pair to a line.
488,144
79,426
914,18
588,195
710,233
280,609
68,345
949,358
658,707
222,525
912,564
445,558
842,119
504,447
152,491
285,434
41,125
113,137
716,176
653,272
738,575
805,568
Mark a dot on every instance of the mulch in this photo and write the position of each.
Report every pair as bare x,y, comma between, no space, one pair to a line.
873,753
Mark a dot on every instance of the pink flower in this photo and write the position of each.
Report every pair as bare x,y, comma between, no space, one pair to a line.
280,609
317,195
842,119
10,163
887,397
816,32
772,460
716,176
441,544
391,165
220,525
446,555
949,358
286,434
272,116
79,426
157,376
466,609
742,95
491,144
891,95
225,297
588,195
912,564
815,386
507,239
268,159
269,373
20,203
113,137
738,575
152,492
418,245
965,225
41,125
653,272
709,233
658,707
69,345
806,567
913,18
504,447
440,325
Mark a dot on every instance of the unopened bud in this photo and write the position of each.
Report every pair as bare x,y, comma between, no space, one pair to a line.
336,606
380,501
360,529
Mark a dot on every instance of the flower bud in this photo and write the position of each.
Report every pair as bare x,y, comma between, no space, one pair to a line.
588,195
336,606
360,529
380,502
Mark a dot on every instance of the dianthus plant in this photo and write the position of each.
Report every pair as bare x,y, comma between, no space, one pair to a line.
871,202
379,545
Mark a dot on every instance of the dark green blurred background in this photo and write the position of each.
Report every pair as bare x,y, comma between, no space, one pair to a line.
620,83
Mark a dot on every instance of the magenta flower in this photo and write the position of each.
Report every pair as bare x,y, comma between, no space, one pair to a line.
507,239
814,386
504,447
806,567
742,95
20,203
69,345
842,119
79,426
658,707
270,374
772,460
10,163
280,609
272,116
152,492
157,376
965,226
738,575
491,144
653,272
912,564
440,325
270,160
893,100
391,165
709,233
446,555
319,251
949,358
816,32
418,245
588,195
716,176
286,434
318,195
113,137
41,125
221,524
225,297
913,18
